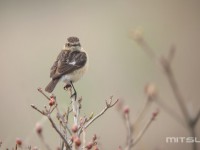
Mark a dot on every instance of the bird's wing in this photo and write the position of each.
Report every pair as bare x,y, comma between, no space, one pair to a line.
70,62
55,64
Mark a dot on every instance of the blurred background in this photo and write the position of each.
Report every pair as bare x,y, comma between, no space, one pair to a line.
32,34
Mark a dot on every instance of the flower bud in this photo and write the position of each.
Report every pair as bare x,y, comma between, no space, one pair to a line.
35,148
150,90
154,114
94,137
96,148
52,101
74,128
77,141
89,145
126,110
137,35
38,128
18,142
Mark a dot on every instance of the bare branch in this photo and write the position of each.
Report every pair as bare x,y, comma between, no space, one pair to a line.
143,111
171,54
129,131
170,111
139,136
47,114
108,105
175,89
54,126
42,92
194,122
34,107
44,142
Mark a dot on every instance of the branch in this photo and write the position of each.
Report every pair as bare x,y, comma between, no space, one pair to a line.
75,107
34,107
44,142
170,111
139,136
130,132
166,66
47,114
194,122
108,105
138,37
54,126
175,89
143,111
42,92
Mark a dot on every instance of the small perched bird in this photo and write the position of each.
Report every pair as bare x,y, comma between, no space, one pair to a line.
69,66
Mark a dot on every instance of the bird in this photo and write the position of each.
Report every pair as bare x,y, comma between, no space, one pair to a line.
70,65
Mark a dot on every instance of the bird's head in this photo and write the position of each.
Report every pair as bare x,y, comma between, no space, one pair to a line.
72,44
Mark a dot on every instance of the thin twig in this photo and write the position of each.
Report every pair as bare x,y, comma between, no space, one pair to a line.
196,118
193,134
47,114
44,142
148,49
139,136
84,139
170,111
42,92
143,111
175,89
34,107
101,113
75,107
166,65
54,126
108,105
129,131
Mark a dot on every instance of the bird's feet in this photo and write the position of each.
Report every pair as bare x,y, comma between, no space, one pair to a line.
67,86
74,95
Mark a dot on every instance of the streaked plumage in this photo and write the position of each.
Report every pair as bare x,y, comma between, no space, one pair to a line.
70,64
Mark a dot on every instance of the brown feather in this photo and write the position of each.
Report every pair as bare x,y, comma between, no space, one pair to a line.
50,87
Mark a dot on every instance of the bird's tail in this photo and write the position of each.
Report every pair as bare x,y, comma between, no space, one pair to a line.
50,87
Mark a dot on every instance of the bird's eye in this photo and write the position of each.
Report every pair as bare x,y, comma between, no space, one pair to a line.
68,44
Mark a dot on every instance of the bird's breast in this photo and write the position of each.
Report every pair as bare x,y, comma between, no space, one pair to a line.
75,75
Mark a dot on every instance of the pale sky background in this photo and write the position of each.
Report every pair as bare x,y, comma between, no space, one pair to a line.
32,33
